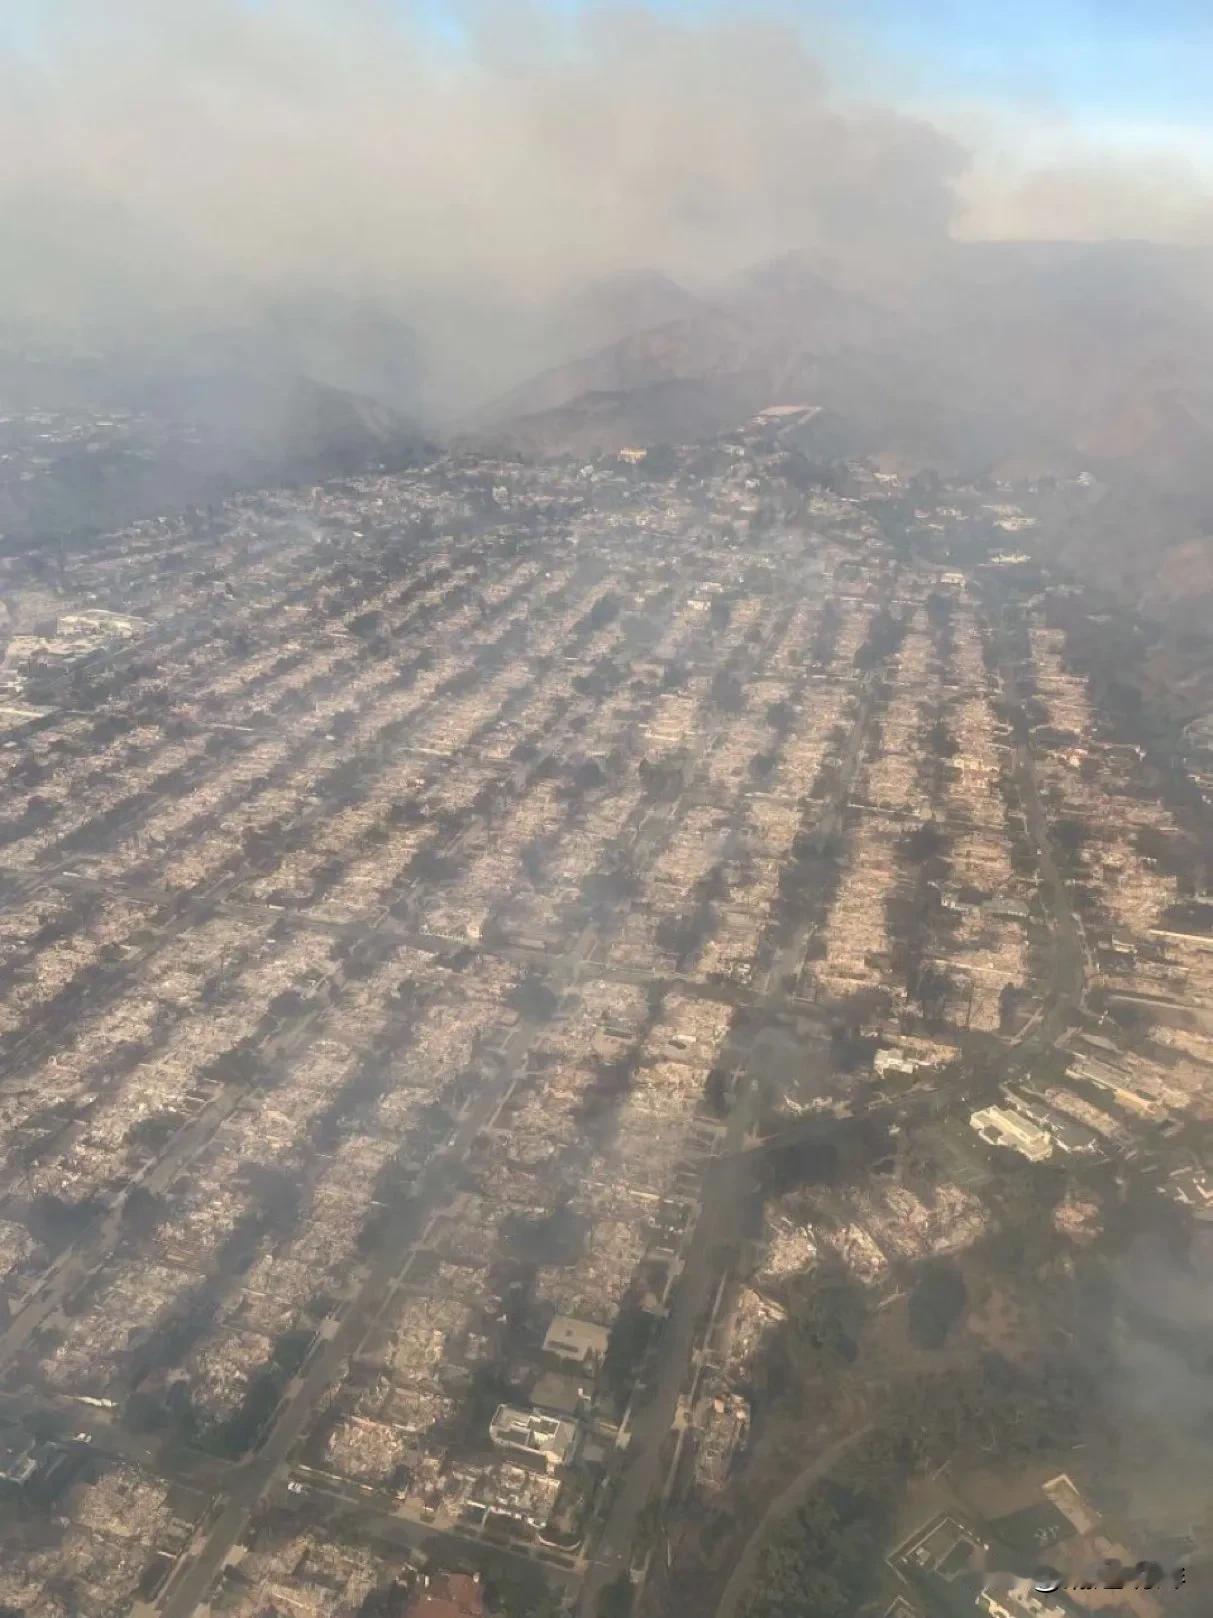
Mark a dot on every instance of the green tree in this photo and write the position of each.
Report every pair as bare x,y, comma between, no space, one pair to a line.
626,1347
936,1303
616,1600
818,1563
829,1319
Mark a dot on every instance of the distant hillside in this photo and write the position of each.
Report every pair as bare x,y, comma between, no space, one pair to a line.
1050,357
1009,359
88,446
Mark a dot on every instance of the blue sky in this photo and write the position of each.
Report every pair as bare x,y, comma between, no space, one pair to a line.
1100,60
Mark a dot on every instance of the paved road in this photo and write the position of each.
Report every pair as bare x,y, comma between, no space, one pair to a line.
725,1183
1069,946
338,1498
724,1188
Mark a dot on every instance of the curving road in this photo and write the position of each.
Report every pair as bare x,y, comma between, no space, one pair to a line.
745,1568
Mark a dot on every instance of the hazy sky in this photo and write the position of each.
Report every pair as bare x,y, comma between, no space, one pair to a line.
168,156
1142,67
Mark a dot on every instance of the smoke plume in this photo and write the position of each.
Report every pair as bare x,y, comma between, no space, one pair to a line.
180,166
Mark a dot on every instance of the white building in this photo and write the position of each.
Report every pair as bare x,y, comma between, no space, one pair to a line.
544,1438
999,1127
1008,1597
580,1341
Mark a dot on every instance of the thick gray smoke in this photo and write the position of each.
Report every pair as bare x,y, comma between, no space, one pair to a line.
180,166
1160,1385
177,164
217,144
